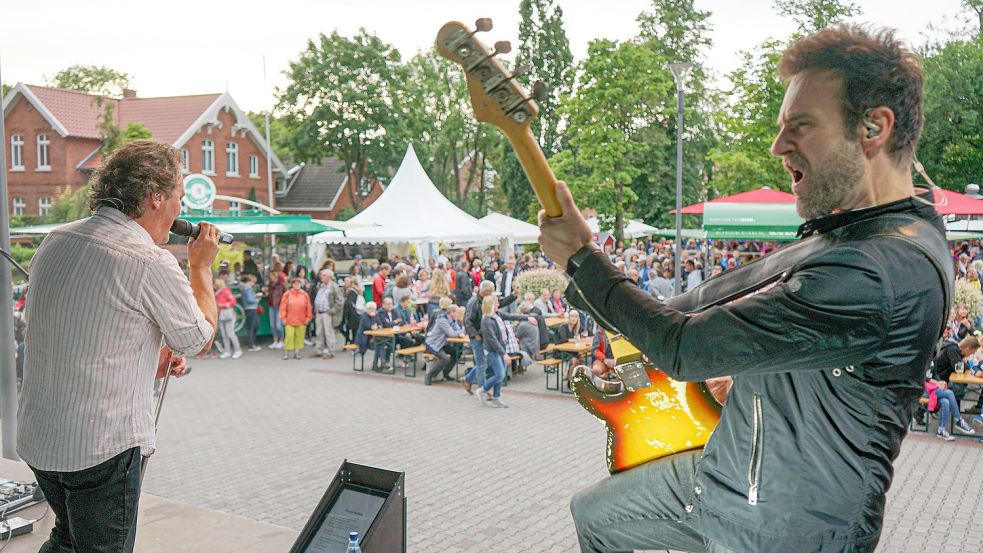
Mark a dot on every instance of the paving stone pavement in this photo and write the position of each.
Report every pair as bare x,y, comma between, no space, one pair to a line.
261,437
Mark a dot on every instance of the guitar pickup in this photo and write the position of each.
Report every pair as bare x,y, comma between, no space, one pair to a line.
633,375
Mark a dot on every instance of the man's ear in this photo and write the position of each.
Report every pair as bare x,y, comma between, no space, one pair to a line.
877,126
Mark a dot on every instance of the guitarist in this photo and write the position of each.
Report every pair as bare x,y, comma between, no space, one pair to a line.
827,365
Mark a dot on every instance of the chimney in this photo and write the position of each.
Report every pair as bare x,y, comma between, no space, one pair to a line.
129,93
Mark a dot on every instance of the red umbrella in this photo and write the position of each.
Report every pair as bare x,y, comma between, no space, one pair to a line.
763,195
948,202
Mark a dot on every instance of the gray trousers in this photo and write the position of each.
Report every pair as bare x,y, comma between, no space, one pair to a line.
227,335
324,341
641,508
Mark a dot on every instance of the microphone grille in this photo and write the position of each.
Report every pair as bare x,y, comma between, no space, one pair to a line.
181,227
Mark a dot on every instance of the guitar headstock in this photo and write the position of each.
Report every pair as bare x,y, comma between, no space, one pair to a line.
495,95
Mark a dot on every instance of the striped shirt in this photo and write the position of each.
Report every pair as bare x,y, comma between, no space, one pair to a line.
102,297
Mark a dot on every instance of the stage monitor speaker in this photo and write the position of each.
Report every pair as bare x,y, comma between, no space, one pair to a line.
361,499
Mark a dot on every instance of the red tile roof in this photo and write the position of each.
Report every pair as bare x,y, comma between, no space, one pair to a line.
167,118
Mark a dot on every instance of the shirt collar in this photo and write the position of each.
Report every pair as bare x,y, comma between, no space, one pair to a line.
120,218
834,221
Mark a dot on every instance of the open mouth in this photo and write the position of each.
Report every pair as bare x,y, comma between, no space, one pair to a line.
796,176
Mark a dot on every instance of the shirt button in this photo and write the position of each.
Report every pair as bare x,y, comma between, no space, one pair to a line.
689,509
697,490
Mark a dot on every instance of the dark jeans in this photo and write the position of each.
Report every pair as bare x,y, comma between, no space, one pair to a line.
95,508
252,327
446,359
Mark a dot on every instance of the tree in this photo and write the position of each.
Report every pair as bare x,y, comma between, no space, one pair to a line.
676,31
976,6
813,15
4,88
544,47
280,131
342,101
612,120
92,79
951,147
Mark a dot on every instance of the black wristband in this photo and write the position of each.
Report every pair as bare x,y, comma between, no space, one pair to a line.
578,258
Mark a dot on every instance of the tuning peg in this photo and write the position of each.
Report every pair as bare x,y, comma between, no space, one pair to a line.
539,91
483,24
521,70
503,47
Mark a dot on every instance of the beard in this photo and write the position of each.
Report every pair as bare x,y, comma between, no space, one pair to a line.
831,183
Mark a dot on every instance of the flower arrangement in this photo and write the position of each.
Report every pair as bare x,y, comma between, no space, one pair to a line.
535,280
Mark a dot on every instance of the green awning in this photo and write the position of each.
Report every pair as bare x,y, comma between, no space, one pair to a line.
748,221
696,233
263,224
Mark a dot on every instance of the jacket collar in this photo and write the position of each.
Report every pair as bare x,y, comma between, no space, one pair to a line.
120,218
923,207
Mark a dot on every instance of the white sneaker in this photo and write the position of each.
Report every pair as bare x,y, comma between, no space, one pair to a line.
272,346
308,342
237,355
481,396
278,345
497,402
255,348
225,355
944,434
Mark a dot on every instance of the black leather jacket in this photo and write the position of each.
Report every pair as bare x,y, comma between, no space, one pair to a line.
827,366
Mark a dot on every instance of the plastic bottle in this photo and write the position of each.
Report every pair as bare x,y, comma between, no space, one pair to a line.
353,543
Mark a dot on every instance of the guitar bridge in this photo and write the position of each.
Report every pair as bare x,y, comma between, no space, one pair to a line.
633,375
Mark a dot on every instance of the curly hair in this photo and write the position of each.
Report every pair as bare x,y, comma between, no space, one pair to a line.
875,69
134,172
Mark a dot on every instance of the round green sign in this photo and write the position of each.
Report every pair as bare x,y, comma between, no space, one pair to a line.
199,191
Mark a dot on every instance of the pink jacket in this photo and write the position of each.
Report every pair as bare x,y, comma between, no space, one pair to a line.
933,400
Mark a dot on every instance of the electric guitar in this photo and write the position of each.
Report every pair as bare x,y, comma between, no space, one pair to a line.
648,415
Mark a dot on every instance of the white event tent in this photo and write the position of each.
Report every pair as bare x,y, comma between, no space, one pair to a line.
521,231
411,211
633,228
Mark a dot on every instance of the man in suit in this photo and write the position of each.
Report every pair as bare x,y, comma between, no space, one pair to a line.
505,277
465,284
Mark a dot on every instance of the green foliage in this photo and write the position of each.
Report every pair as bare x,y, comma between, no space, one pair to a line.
23,256
966,294
748,125
613,126
535,280
280,131
70,206
343,101
346,213
136,131
93,79
813,15
4,88
252,194
951,147
976,6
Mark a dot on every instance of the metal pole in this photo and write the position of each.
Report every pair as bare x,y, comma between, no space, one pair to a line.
679,190
269,161
8,370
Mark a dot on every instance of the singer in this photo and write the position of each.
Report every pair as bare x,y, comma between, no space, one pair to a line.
103,296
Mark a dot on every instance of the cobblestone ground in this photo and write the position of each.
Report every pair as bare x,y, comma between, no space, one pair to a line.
261,438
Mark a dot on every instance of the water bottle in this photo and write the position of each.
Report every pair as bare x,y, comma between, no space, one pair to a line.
353,543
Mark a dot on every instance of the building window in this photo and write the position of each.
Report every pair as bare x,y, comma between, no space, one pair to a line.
16,153
254,166
44,205
234,206
19,205
207,156
184,160
44,164
232,159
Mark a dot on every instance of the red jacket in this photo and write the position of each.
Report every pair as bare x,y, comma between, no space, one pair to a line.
295,307
225,298
378,288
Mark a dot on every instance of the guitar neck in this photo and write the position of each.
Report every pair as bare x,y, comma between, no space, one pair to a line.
537,169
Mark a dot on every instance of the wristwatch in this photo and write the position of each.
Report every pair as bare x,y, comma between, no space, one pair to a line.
577,259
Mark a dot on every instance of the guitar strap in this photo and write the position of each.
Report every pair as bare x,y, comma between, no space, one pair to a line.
777,266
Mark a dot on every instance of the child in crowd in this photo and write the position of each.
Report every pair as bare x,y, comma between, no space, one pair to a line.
226,303
250,305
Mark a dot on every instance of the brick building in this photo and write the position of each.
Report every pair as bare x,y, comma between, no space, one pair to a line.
323,190
52,140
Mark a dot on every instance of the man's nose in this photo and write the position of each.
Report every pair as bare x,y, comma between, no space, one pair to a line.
781,146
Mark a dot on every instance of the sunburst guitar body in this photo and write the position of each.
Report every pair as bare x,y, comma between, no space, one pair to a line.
647,414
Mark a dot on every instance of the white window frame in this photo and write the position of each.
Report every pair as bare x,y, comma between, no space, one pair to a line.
254,166
16,152
44,205
207,157
235,206
231,159
185,160
20,205
44,152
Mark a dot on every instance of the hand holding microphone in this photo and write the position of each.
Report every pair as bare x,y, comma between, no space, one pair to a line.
185,228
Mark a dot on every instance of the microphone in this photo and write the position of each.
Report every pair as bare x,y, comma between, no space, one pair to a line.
185,228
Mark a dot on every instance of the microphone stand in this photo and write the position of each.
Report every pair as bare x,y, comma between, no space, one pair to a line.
160,405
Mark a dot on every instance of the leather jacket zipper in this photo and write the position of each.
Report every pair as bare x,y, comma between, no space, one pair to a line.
754,465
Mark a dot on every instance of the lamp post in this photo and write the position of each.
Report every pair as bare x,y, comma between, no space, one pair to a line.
680,71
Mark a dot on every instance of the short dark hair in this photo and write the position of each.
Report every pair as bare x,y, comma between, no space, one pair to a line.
875,69
135,171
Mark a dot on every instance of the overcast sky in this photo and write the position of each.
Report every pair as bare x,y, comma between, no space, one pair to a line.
202,46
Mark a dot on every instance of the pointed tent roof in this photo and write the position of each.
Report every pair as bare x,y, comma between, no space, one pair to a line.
763,195
412,210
